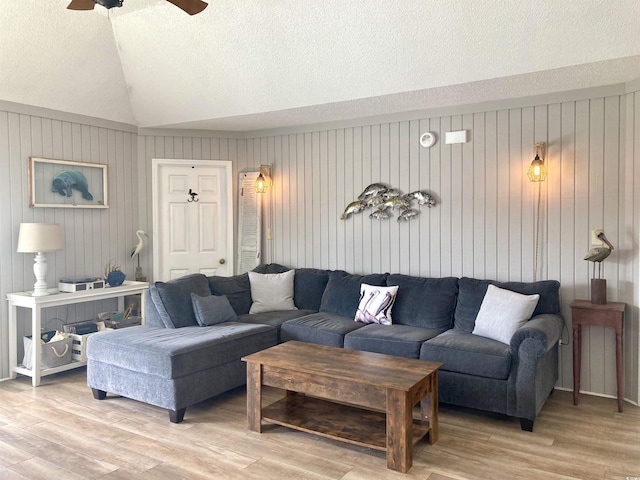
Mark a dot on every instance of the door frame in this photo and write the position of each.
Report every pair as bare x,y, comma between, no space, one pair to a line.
156,164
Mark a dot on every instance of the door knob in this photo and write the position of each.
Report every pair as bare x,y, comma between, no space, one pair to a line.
222,261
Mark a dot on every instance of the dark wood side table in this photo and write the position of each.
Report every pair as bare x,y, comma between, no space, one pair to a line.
583,312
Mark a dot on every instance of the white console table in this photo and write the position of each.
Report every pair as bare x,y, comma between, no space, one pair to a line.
56,299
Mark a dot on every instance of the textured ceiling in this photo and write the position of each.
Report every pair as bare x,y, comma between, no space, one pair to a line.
258,64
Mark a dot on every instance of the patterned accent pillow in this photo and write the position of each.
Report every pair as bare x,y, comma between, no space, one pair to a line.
375,304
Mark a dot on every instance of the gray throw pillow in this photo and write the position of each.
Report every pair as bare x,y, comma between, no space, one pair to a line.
212,309
272,291
503,312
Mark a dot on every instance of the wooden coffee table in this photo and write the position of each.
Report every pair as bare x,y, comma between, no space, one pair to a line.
358,397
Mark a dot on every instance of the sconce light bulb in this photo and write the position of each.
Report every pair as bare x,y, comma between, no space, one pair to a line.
261,186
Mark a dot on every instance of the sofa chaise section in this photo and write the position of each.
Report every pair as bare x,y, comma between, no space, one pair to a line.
173,368
171,361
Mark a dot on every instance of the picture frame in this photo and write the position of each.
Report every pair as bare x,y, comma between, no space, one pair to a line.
67,184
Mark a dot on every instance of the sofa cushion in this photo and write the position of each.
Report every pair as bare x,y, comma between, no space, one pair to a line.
237,289
502,312
376,304
472,291
174,353
309,285
172,299
399,340
463,352
274,319
271,291
342,294
212,309
424,302
322,327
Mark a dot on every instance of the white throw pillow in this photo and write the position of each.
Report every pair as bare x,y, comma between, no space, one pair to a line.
271,291
375,304
503,312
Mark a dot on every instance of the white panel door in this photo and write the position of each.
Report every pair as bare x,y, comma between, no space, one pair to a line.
193,218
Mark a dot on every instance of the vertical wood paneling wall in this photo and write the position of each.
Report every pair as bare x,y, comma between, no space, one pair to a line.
91,237
203,147
482,226
484,223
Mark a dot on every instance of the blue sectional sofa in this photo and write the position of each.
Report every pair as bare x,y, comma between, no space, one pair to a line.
433,319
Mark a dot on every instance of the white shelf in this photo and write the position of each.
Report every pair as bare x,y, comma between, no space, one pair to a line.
55,299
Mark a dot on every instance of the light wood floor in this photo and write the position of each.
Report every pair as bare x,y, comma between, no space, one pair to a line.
59,431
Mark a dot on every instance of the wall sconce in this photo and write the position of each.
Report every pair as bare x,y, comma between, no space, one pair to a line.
264,179
537,173
537,170
39,238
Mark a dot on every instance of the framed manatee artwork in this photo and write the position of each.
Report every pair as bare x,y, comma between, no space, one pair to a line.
67,184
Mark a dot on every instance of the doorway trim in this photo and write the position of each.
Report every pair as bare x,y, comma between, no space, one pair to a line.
157,163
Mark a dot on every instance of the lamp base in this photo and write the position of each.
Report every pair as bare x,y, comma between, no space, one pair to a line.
40,272
40,293
598,291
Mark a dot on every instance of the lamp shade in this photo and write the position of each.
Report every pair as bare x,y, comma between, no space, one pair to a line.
537,171
39,237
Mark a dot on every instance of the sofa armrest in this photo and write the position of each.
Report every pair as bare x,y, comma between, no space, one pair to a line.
534,347
544,329
151,315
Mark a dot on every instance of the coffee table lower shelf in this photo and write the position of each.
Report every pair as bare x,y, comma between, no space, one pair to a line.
337,421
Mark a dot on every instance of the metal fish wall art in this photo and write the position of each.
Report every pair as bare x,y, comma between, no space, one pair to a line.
353,207
380,213
407,214
384,200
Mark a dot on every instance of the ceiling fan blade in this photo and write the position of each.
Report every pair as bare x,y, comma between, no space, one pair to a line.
81,5
190,6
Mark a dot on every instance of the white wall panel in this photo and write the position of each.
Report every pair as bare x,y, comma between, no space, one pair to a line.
91,237
484,224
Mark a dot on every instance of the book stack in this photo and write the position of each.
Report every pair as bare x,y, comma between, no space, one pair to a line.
80,328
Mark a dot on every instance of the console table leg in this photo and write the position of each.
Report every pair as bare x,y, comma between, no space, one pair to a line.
399,431
576,362
36,327
619,366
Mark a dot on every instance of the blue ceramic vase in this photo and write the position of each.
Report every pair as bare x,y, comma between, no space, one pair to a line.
116,278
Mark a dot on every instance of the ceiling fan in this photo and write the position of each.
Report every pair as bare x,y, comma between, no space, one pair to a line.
190,6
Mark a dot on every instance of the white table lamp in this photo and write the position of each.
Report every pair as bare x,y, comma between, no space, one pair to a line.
39,238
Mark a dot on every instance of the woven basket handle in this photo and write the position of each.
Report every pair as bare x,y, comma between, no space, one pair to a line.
60,355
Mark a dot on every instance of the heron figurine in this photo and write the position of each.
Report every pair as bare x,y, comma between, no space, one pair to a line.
598,254
139,246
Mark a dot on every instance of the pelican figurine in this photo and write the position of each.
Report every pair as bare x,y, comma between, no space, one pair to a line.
598,254
139,246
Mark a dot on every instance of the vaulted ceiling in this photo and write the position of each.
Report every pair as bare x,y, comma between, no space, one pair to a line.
255,64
